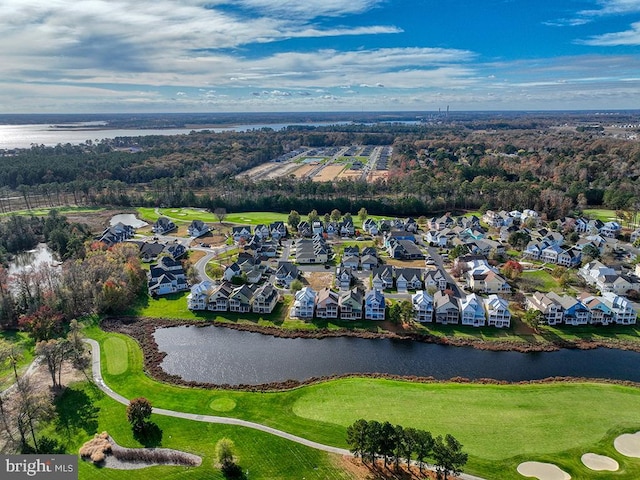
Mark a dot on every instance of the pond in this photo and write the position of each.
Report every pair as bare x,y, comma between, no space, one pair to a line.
25,261
127,219
221,355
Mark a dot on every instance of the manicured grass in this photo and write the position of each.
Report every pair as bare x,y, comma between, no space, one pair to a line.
117,355
84,410
540,281
499,425
602,214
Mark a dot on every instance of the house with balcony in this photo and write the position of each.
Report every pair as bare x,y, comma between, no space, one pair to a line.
574,312
422,306
240,299
472,311
498,314
327,304
374,305
350,304
264,299
550,308
304,303
446,309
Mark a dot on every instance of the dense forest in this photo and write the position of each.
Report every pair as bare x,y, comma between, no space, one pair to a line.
498,162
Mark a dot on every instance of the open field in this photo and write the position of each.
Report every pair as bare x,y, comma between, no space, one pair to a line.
606,215
328,173
499,425
540,281
41,212
304,170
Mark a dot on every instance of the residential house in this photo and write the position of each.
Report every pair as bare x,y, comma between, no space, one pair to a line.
163,225
408,279
304,229
436,238
370,226
351,251
327,304
286,273
446,309
308,251
404,250
374,305
241,233
569,258
600,312
199,295
550,254
350,303
347,228
435,279
574,312
278,230
166,277
261,231
116,233
635,236
611,229
218,300
344,277
487,281
581,225
498,314
382,277
369,262
621,308
198,228
472,311
232,271
240,299
550,308
264,299
317,228
422,306
304,303
410,225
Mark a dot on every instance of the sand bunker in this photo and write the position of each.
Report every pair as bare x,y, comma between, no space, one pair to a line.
628,444
542,471
599,462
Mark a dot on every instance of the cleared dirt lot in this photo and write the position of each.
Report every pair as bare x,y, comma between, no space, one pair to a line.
328,173
304,170
318,280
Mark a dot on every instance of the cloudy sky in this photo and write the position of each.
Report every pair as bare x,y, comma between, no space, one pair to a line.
317,55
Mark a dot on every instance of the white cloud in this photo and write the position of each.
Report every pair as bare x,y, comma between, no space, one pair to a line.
629,37
307,8
613,7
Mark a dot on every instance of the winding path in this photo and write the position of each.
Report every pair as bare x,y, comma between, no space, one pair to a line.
97,377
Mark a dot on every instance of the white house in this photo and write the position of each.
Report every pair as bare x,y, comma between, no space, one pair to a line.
374,305
498,314
304,303
472,311
621,308
198,228
197,299
423,306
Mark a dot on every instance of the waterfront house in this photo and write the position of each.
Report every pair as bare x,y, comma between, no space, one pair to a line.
304,303
422,306
498,314
550,308
264,299
374,305
574,312
446,309
472,311
327,304
350,303
240,299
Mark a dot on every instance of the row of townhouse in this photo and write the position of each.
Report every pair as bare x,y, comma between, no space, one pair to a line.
470,310
353,258
401,245
549,252
351,304
375,227
226,297
586,309
448,222
388,276
275,230
505,219
165,277
315,250
248,266
344,228
607,279
593,227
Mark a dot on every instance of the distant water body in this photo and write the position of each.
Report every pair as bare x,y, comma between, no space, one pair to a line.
23,136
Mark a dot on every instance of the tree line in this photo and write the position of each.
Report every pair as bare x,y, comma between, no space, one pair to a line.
370,439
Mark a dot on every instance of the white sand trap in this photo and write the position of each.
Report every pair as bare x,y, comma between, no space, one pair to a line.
599,462
542,471
628,444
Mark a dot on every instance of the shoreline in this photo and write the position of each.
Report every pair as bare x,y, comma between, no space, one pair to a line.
141,329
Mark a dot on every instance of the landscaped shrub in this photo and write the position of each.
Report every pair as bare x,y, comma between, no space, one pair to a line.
96,448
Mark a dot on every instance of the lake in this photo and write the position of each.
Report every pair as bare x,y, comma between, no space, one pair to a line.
222,355
23,136
32,259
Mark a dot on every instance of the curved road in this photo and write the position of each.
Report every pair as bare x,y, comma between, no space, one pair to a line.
97,377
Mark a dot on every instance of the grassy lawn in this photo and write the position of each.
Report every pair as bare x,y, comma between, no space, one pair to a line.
539,281
260,455
25,346
602,214
499,425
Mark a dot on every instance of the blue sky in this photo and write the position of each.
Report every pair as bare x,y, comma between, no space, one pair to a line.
318,55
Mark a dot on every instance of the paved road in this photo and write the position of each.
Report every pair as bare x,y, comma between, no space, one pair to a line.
97,378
